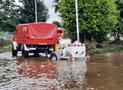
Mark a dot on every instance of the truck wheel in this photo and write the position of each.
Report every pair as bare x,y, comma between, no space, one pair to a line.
46,53
36,54
25,53
14,51
53,56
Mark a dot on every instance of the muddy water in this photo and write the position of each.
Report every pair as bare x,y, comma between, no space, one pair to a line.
103,72
36,73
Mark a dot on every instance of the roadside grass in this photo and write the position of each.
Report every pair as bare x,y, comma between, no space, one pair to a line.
105,49
5,47
5,41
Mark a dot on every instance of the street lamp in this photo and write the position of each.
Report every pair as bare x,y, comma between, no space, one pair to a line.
36,11
77,20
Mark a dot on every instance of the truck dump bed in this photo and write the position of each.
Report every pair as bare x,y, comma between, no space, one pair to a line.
36,33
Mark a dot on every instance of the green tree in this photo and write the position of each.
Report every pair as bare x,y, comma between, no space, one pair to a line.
118,31
27,11
56,5
97,18
12,14
8,15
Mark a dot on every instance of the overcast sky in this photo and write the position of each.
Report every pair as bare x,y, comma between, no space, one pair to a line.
52,15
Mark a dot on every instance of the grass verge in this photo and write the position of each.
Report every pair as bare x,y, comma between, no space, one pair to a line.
5,48
105,49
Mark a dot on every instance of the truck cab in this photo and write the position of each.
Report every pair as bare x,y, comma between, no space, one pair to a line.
60,33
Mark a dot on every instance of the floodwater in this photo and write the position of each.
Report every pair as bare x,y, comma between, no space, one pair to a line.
37,73
103,72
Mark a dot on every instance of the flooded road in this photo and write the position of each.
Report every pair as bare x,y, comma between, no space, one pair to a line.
36,73
103,72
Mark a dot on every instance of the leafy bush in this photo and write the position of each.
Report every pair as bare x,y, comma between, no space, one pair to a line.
90,45
108,48
5,38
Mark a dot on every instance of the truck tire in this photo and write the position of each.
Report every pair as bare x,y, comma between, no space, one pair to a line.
53,56
24,52
36,53
14,51
46,53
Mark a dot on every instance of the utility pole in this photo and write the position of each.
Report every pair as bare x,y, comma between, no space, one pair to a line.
36,20
77,20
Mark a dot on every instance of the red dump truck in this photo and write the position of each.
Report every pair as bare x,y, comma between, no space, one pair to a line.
47,39
35,38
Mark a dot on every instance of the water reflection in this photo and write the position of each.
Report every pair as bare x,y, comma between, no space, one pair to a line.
43,74
37,68
72,75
